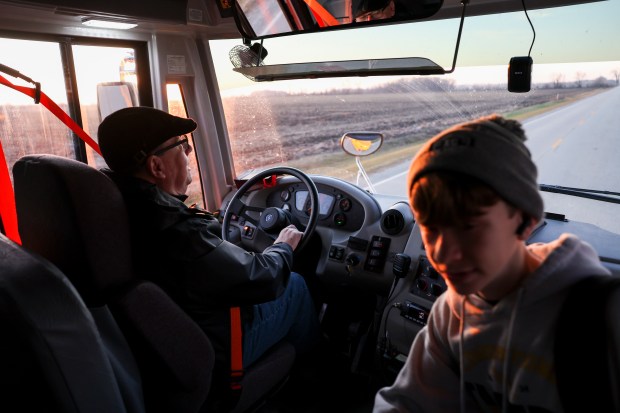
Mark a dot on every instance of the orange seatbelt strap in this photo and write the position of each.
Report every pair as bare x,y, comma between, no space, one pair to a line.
318,19
56,110
236,352
8,212
320,11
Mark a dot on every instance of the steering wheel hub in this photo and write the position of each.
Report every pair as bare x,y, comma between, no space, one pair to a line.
273,219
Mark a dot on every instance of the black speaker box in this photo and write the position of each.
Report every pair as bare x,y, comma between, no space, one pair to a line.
520,74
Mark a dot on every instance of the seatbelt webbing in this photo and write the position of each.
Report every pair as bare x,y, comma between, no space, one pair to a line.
56,110
8,213
326,18
236,352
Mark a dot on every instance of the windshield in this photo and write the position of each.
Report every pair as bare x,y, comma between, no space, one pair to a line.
569,114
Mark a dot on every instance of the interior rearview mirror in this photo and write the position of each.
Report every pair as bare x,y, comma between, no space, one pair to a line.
267,18
248,62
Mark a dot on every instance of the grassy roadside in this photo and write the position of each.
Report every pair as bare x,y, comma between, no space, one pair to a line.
525,113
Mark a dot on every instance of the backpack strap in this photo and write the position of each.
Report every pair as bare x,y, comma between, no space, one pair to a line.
587,348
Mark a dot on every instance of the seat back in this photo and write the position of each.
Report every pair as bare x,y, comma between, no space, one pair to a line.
587,347
71,214
52,357
75,216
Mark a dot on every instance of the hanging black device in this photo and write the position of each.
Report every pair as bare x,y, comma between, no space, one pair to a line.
520,74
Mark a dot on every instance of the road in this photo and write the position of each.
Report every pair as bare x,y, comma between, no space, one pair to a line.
576,145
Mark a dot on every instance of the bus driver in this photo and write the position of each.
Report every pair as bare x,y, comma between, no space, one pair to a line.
180,249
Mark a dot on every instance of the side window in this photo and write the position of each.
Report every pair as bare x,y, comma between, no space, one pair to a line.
104,74
176,106
26,127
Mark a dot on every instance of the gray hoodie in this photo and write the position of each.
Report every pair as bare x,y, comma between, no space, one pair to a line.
477,357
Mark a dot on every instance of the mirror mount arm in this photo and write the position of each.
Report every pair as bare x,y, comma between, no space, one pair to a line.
458,38
361,171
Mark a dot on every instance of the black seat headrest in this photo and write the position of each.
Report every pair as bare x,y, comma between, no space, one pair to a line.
90,222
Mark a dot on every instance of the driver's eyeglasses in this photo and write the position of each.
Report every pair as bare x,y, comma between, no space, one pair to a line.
184,142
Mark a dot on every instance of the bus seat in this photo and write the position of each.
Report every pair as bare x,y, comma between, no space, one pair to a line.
52,358
51,236
75,216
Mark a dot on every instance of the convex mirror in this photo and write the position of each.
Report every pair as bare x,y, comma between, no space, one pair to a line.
361,143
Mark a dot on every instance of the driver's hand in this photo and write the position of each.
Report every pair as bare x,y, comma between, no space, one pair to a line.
291,235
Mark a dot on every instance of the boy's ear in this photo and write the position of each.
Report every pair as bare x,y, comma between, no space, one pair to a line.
523,225
526,227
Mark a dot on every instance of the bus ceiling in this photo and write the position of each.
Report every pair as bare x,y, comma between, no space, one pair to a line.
268,18
254,20
155,10
212,17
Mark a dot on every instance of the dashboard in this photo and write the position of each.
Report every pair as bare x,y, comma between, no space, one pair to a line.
338,208
371,242
360,234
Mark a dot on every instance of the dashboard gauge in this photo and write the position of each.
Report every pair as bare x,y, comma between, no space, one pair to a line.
344,204
340,219
302,202
325,203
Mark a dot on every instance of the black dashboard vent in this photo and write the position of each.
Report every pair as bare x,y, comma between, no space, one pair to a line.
392,222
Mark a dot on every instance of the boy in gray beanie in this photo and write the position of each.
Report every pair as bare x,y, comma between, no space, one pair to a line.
489,341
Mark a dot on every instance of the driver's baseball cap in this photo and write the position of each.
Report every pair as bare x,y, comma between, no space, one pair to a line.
127,136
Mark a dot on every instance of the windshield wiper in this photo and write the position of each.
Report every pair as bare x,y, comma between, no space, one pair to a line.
606,196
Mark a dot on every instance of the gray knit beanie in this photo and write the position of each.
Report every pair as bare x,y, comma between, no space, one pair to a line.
491,149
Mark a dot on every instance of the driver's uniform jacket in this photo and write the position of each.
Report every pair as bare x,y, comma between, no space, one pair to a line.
180,249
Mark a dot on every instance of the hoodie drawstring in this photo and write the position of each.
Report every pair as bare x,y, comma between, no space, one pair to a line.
461,359
513,317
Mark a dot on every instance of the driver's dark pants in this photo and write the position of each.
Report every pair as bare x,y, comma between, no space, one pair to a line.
291,316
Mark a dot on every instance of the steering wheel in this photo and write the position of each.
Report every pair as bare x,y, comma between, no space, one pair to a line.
272,219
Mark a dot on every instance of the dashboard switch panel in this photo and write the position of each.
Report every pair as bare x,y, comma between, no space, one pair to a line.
336,253
428,283
377,254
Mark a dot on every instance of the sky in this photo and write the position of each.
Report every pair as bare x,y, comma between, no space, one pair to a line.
589,31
